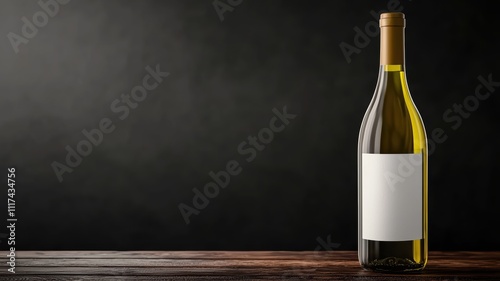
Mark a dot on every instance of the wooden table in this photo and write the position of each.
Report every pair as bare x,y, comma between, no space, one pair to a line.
189,265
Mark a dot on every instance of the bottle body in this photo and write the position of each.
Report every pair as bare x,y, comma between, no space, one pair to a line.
392,171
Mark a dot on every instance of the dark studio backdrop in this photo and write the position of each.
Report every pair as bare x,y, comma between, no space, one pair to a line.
230,74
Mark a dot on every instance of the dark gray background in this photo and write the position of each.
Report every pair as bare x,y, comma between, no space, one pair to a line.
226,77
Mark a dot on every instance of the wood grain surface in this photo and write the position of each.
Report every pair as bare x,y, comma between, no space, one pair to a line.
223,265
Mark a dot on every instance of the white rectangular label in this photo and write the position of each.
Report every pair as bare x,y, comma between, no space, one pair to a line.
391,196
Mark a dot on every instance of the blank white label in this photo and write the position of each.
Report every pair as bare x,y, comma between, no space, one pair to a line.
391,195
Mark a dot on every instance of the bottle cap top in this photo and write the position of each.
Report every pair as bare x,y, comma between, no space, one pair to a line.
392,19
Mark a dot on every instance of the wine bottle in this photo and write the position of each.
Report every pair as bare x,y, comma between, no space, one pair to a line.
392,165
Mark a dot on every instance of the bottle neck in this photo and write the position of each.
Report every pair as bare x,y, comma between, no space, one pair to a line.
392,46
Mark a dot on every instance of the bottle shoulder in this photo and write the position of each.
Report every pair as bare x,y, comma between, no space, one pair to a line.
392,124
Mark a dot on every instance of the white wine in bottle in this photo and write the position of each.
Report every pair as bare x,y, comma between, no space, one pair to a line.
392,165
